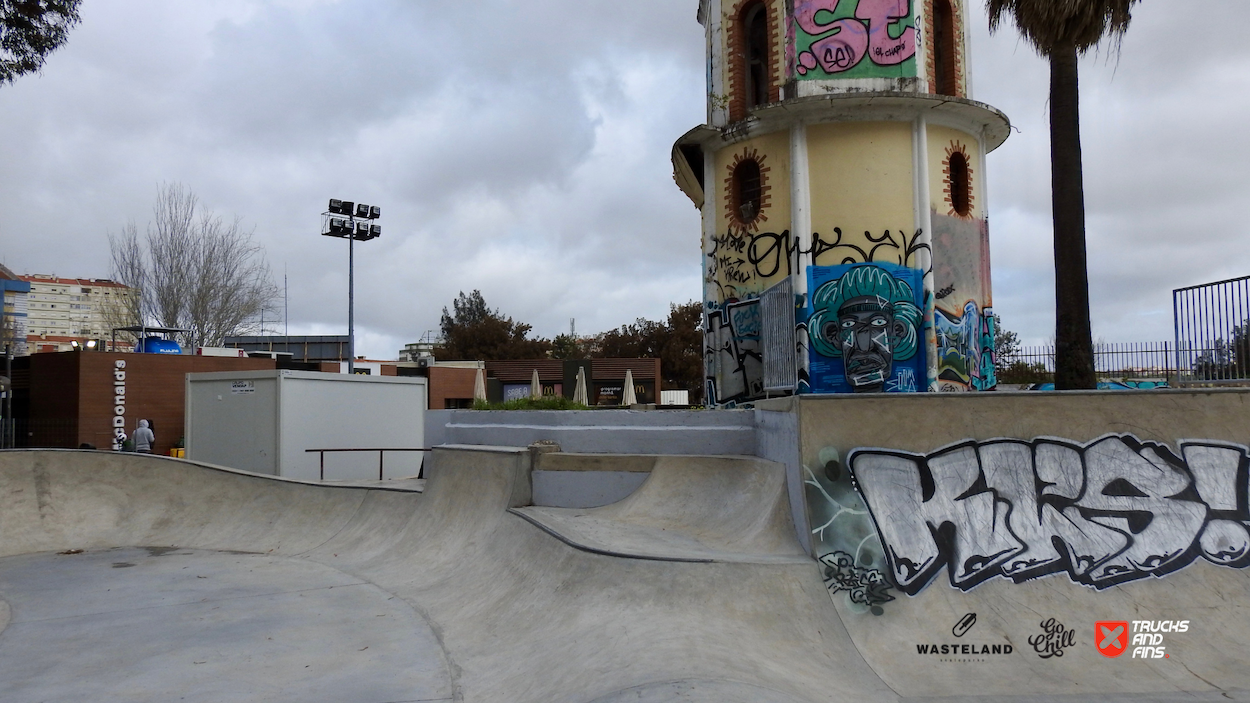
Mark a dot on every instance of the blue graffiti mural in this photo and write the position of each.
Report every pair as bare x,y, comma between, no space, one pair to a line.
865,325
966,348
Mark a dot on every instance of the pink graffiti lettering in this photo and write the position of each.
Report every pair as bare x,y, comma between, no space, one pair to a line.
850,40
805,12
882,15
842,51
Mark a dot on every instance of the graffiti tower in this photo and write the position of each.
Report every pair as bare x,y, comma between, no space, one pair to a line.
841,178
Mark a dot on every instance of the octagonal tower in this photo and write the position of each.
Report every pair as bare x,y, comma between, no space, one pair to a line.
841,178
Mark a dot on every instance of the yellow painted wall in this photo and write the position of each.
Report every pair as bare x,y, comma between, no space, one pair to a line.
941,141
732,268
861,181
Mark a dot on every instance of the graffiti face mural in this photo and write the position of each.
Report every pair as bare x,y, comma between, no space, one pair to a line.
852,39
869,317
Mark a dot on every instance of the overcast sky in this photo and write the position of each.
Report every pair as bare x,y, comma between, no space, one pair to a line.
522,148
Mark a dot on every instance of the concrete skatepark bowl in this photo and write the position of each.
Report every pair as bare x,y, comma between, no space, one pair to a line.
138,578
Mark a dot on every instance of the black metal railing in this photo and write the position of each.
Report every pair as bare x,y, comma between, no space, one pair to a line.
381,456
1212,324
1135,364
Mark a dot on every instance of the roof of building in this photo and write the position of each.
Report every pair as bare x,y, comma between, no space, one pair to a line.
52,278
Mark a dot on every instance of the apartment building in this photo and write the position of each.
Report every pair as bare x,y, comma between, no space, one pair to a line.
61,311
13,320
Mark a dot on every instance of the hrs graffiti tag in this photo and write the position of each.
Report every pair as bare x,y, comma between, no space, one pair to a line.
1114,510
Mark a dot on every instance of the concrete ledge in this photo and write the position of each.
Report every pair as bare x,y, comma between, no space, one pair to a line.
601,431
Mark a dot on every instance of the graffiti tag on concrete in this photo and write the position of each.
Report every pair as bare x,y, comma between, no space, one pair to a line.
1114,510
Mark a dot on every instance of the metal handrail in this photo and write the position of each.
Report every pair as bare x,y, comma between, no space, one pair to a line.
381,453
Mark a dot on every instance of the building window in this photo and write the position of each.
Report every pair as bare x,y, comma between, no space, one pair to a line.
944,48
747,190
755,33
958,180
746,194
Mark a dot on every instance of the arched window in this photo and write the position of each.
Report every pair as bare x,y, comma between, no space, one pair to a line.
755,53
748,190
944,43
960,184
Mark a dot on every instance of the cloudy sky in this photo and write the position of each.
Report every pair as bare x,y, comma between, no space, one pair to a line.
522,148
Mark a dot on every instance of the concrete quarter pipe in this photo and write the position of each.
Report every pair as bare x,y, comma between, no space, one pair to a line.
138,578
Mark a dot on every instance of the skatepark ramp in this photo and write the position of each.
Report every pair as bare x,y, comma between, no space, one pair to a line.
127,577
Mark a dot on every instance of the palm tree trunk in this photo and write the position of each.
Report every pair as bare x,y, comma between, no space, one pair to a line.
1074,353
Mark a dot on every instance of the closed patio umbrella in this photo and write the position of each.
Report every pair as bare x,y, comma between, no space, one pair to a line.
479,385
579,392
629,398
536,386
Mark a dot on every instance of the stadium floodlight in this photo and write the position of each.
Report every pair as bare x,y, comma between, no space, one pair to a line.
346,227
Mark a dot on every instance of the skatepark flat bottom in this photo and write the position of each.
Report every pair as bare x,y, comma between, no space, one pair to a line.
193,625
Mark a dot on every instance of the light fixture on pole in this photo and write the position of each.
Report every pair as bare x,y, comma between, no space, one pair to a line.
351,221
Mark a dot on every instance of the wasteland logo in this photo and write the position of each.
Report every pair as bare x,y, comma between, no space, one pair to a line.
962,652
1053,639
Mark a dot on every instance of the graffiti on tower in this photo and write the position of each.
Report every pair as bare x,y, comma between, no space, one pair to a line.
852,39
866,326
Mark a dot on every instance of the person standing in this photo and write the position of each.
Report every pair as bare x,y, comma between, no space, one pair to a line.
144,438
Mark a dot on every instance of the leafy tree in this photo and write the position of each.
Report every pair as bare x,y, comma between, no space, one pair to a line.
1061,30
566,346
1006,342
192,271
473,331
30,30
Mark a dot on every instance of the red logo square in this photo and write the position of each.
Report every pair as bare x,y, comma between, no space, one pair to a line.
1111,637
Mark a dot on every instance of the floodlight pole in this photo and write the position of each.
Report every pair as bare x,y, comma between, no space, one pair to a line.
351,303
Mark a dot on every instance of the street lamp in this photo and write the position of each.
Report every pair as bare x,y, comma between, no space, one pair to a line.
351,221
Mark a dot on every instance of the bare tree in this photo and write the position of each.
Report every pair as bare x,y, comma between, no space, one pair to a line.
193,271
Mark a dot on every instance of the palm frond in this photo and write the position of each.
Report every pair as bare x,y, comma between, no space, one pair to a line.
1047,24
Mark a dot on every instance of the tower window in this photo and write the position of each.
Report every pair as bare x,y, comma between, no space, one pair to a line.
747,190
960,184
755,32
944,48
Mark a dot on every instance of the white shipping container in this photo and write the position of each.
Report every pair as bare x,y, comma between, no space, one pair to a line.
265,421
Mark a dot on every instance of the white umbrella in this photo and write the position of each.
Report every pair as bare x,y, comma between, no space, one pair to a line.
579,393
629,398
536,386
479,385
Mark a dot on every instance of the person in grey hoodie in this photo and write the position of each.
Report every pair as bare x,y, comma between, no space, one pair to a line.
143,438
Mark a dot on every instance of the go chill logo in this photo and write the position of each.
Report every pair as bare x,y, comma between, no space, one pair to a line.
1147,637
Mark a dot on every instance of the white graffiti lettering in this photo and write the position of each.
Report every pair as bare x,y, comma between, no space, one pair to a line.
1110,511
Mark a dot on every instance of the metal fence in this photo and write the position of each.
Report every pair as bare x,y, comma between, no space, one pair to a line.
1133,364
1212,323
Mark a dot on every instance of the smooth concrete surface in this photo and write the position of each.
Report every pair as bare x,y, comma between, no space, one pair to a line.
518,615
599,431
578,480
726,509
128,624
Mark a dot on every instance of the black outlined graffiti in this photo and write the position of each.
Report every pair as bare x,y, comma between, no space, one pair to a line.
1114,510
864,586
741,258
732,353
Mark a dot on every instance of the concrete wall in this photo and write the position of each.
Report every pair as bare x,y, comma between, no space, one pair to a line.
1093,489
600,431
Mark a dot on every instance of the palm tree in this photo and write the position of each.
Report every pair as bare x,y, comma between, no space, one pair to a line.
1060,30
